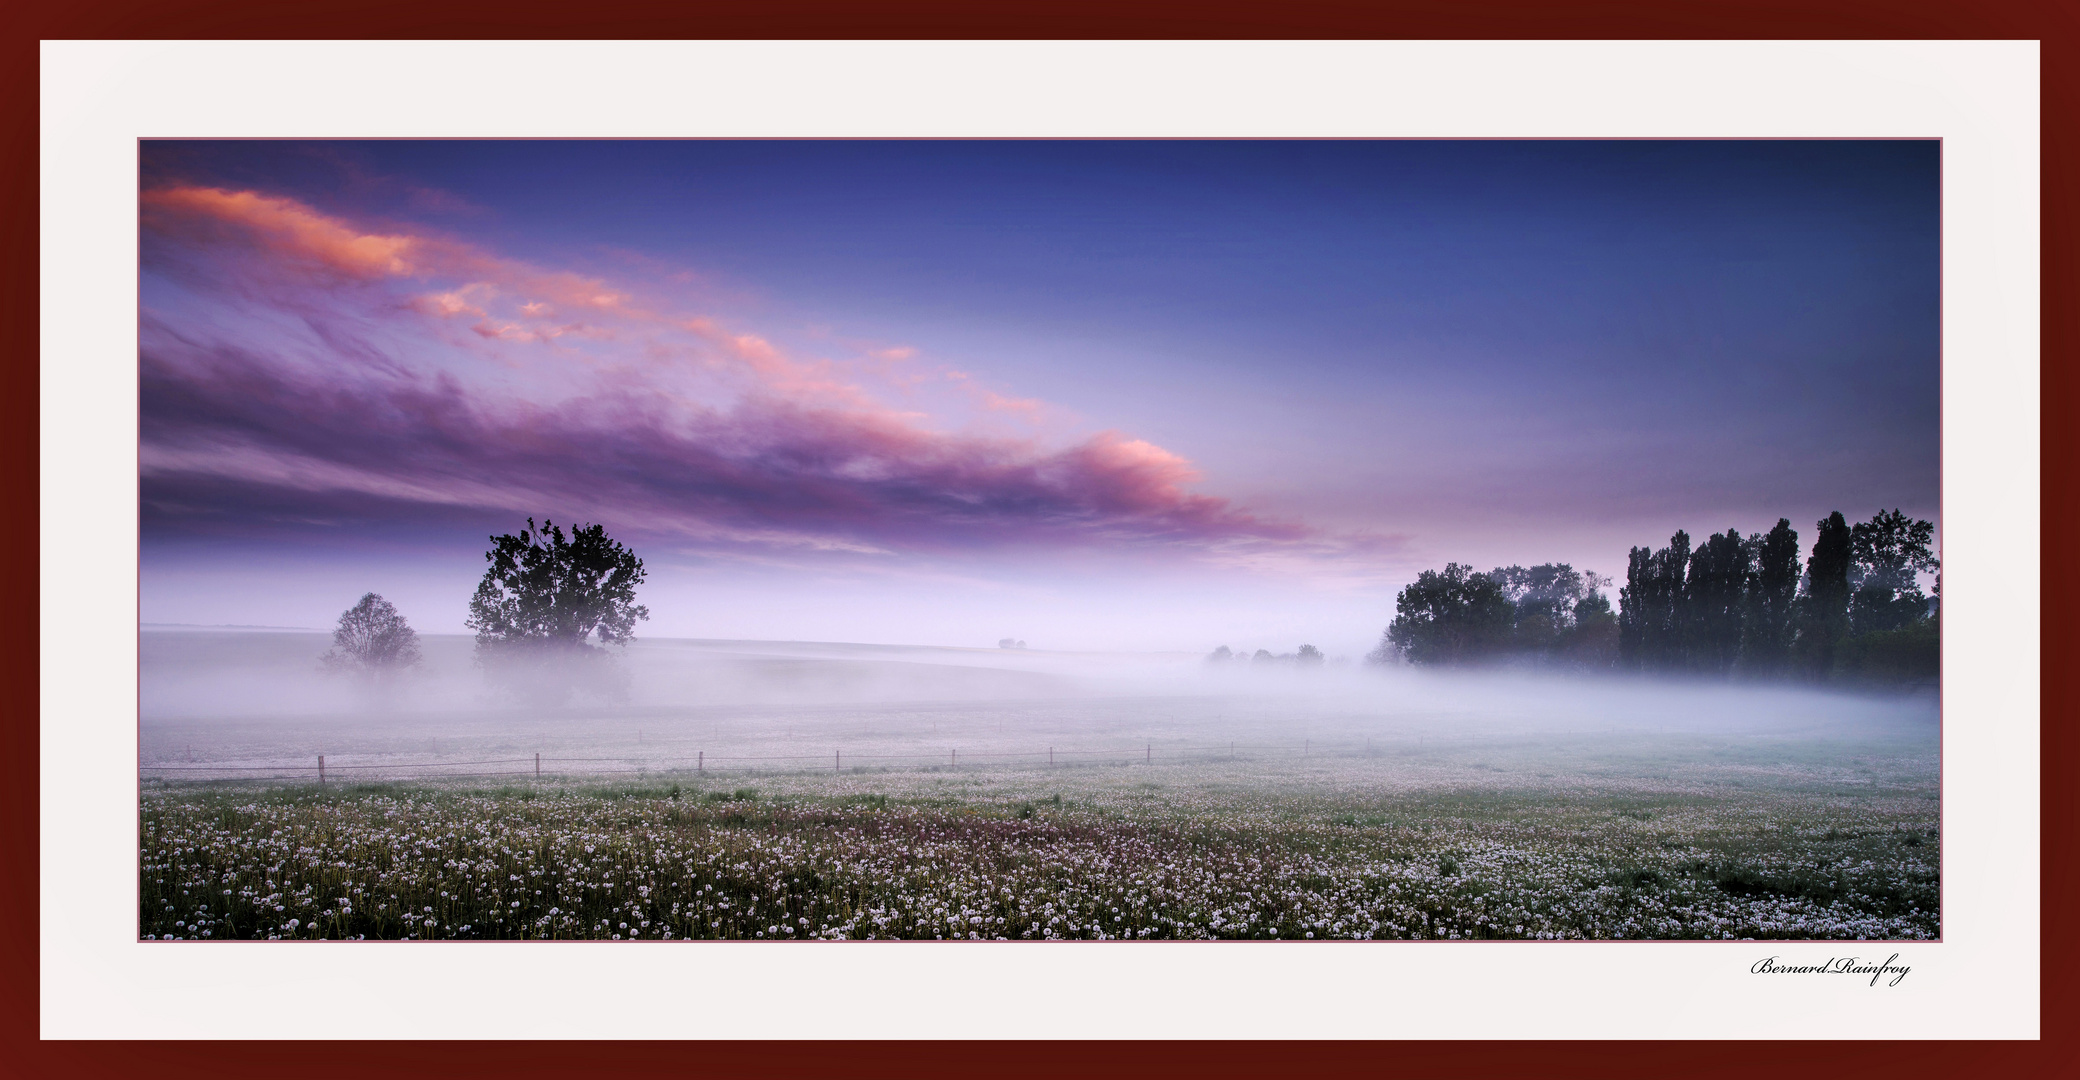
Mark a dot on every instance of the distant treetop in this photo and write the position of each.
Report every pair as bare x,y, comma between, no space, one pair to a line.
372,640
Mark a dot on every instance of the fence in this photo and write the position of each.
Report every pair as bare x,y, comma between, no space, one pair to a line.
701,762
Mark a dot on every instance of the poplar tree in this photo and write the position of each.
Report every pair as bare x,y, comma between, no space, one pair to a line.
1654,607
1716,593
1767,628
1824,615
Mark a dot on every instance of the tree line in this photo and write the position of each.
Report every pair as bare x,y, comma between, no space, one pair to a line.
1307,657
1732,605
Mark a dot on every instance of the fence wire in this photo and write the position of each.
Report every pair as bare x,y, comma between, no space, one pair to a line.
703,762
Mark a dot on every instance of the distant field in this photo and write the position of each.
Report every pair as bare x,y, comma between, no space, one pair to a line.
1605,837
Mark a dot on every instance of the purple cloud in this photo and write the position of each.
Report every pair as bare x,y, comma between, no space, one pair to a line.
315,372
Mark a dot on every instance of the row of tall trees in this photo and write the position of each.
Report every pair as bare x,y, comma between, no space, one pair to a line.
1731,605
1729,602
1742,605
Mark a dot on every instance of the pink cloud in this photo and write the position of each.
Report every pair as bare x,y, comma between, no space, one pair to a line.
1031,408
291,229
295,232
462,301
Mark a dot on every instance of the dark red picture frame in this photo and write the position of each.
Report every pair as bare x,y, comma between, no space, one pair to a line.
2055,24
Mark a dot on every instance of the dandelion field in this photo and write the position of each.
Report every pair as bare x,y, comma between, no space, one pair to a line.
1613,836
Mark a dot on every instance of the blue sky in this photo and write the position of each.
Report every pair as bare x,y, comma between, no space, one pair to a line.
1104,394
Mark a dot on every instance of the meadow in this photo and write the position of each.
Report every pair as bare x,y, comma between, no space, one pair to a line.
799,792
1672,837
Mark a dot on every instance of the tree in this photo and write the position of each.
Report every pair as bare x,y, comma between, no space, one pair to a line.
1824,615
1592,642
1551,600
1544,598
1767,629
1887,555
1452,616
1717,592
1309,656
1654,607
372,641
1633,602
545,597
1674,620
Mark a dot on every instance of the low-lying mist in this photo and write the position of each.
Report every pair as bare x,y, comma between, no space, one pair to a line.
229,697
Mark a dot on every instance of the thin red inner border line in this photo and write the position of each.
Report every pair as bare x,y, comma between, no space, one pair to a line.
305,772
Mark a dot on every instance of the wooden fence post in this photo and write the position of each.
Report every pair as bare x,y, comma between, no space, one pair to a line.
700,761
321,768
1050,757
837,761
538,766
953,759
1148,754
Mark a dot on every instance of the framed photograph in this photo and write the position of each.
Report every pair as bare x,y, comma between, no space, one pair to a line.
1184,554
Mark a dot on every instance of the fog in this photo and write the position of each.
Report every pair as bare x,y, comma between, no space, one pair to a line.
255,700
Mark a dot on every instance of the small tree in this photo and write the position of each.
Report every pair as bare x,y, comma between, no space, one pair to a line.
545,597
372,641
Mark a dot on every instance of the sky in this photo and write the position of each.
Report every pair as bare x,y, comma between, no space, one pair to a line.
1157,395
